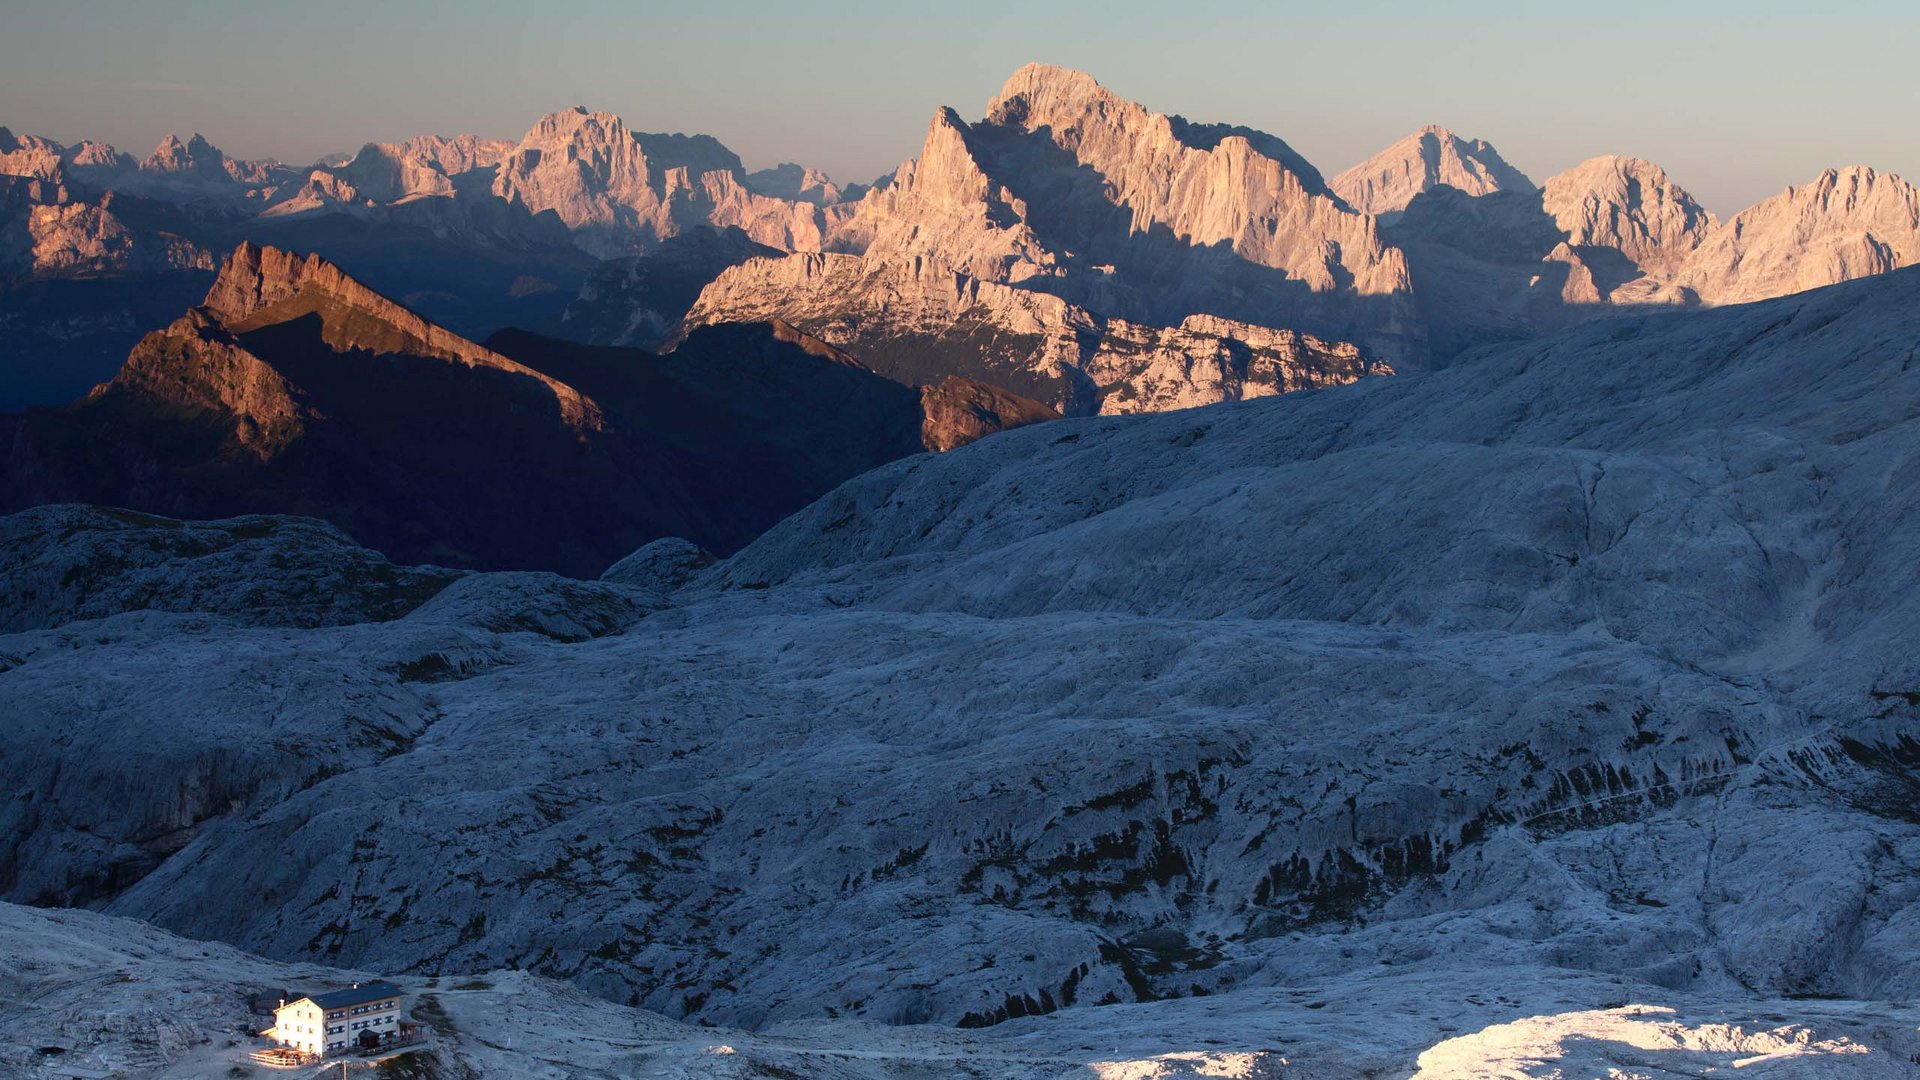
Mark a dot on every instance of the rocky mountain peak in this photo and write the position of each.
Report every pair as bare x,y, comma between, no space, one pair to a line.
254,277
196,155
1853,184
1075,109
89,154
1846,223
602,143
943,205
621,192
1630,205
950,166
30,156
1428,158
601,126
1631,179
789,180
260,286
422,165
1068,190
1047,90
1070,106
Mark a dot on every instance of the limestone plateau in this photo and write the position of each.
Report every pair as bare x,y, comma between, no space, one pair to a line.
1550,714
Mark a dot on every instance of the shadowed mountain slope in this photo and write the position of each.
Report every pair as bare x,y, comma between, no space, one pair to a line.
293,388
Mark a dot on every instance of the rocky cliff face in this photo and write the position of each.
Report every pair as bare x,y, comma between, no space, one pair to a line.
48,231
917,320
1849,223
267,287
1069,189
1429,158
942,205
30,156
424,165
619,191
1628,206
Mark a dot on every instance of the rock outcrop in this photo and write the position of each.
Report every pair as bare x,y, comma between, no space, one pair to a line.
1431,157
957,411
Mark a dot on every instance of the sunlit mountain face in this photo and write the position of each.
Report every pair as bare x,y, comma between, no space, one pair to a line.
1110,598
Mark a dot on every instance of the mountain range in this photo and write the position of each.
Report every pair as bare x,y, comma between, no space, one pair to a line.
1071,245
1072,253
1104,601
293,388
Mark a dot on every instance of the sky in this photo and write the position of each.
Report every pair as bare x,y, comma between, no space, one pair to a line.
1735,100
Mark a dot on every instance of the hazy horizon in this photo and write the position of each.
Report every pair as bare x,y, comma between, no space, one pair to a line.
1737,102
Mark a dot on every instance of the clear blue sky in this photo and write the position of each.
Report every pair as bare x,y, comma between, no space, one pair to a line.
1737,100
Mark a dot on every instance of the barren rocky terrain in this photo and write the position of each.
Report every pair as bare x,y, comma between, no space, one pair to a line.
1530,697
